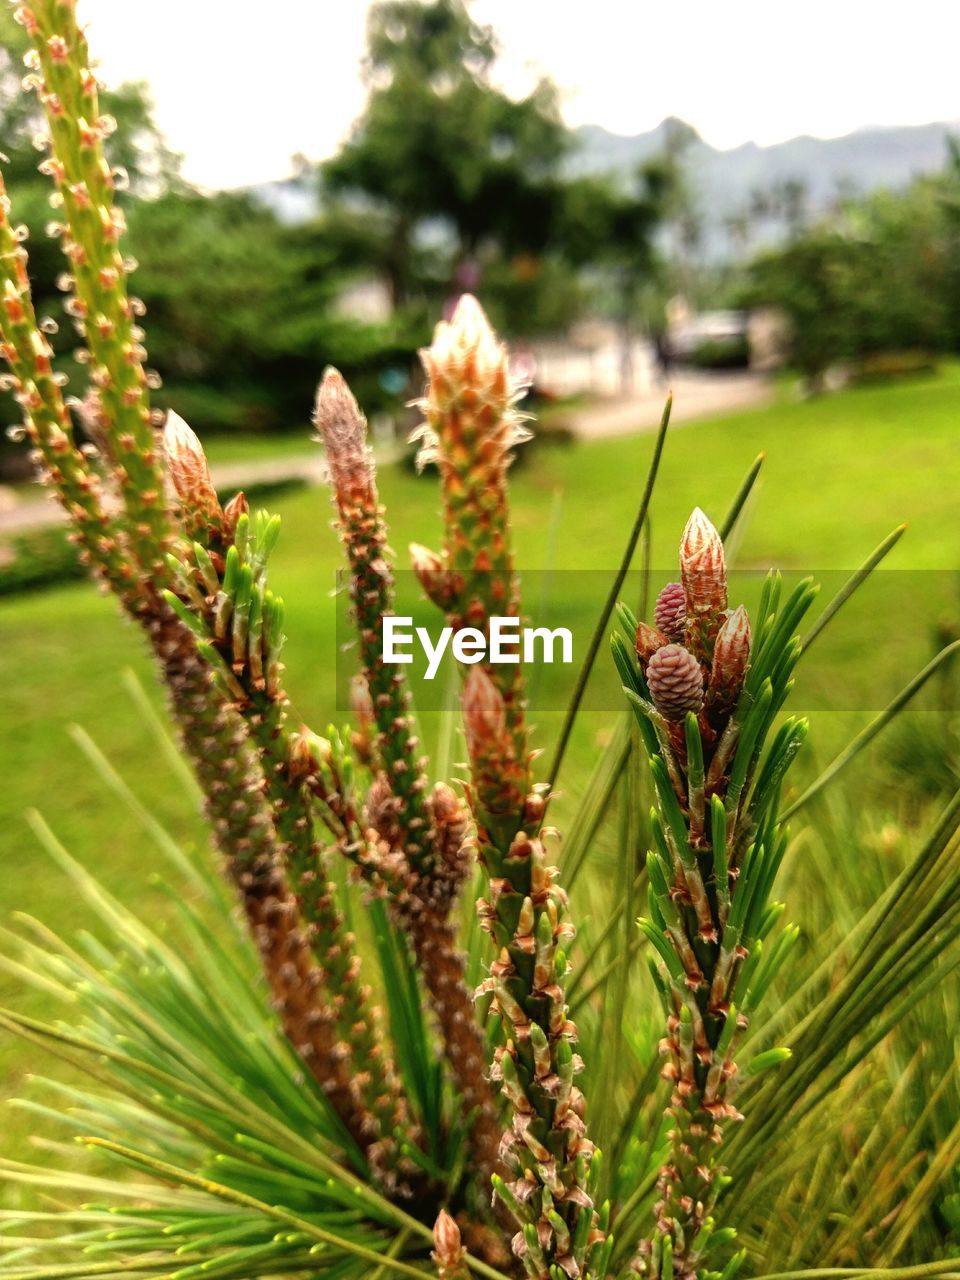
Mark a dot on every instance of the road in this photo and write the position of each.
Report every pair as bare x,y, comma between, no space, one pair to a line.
695,397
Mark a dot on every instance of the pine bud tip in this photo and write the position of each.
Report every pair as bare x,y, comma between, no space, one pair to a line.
702,566
484,714
731,656
189,472
237,506
361,703
437,582
306,753
342,429
466,355
446,1238
649,640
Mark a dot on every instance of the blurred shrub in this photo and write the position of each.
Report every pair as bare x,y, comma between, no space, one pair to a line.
38,558
242,311
721,353
880,275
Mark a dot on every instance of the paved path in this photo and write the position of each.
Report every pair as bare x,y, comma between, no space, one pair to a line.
22,509
695,396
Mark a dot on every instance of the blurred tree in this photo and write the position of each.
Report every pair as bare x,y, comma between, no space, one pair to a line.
440,144
814,281
878,276
792,202
947,195
218,274
614,227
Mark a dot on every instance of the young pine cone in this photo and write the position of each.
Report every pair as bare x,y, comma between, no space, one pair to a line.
675,681
670,611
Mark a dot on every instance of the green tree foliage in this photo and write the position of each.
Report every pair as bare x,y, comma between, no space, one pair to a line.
218,274
879,276
440,144
613,226
814,281
452,177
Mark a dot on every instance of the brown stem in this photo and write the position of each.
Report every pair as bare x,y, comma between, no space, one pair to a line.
233,786
442,964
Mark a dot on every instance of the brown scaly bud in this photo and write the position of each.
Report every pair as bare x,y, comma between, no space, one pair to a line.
731,656
498,775
343,430
649,640
675,681
483,712
380,804
451,823
437,581
301,763
449,1253
670,611
187,466
307,753
381,812
702,567
364,729
237,506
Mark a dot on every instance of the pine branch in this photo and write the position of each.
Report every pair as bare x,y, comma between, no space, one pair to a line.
46,420
426,832
90,237
238,625
319,1005
471,427
706,693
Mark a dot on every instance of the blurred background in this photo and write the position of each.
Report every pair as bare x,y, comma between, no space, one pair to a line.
758,206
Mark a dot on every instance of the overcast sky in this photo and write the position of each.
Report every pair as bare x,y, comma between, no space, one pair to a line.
240,85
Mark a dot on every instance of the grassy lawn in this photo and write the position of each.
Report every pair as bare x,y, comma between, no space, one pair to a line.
841,472
242,448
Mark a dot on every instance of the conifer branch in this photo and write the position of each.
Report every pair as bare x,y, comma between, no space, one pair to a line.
223,597
425,832
471,426
706,693
322,1007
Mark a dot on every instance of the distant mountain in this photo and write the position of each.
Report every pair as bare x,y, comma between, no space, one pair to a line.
724,182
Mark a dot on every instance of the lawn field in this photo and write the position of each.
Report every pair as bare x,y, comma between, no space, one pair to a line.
841,472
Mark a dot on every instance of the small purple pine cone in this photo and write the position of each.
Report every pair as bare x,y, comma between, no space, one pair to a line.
670,611
675,681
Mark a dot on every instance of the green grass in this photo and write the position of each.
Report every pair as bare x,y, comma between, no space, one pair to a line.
841,472
242,448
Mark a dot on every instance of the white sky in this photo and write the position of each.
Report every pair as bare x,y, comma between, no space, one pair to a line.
240,85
